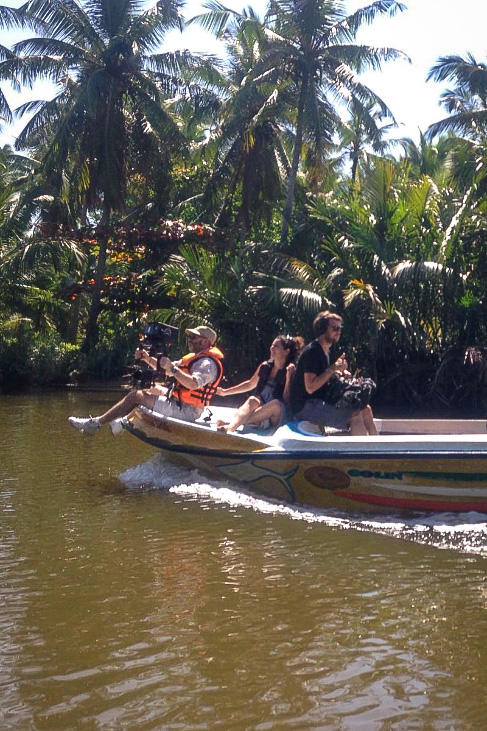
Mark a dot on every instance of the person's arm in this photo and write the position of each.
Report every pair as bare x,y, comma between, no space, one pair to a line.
313,382
290,370
144,356
240,387
171,369
151,361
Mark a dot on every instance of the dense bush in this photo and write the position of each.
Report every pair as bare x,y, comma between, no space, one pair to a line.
30,358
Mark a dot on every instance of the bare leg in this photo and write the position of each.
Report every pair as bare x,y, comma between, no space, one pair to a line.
272,411
129,402
242,414
254,413
362,423
357,425
368,418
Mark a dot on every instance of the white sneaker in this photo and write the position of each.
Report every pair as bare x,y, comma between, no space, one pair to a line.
88,426
116,427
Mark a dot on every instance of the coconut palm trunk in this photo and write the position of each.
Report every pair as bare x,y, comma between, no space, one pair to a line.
91,336
298,146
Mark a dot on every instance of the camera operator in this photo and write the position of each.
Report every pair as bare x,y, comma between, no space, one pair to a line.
195,379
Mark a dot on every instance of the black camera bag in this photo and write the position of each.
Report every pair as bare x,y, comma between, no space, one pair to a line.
355,393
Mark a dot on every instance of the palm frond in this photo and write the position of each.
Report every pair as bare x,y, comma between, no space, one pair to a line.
469,74
466,123
359,290
217,19
50,47
46,114
302,299
157,116
5,111
27,256
63,19
12,17
29,69
349,26
149,29
363,58
425,272
182,63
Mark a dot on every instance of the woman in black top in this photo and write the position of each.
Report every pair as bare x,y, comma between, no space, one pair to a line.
272,383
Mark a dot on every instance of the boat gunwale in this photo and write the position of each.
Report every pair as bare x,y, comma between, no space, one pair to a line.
309,455
297,436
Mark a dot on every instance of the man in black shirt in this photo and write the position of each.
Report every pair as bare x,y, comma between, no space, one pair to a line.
313,371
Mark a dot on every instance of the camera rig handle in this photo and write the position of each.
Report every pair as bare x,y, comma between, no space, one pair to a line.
157,339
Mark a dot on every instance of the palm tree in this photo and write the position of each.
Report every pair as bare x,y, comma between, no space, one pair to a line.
386,258
313,44
310,50
247,145
427,158
466,103
363,132
110,91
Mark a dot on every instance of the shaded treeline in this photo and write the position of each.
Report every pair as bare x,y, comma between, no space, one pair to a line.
247,192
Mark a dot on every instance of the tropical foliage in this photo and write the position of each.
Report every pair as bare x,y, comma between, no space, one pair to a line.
247,193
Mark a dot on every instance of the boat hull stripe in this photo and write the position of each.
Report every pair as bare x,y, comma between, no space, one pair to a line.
415,503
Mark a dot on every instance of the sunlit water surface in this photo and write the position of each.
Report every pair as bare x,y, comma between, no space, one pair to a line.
136,594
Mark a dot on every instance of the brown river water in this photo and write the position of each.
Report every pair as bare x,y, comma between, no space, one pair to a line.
139,595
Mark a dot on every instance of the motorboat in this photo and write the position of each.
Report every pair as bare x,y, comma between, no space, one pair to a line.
413,464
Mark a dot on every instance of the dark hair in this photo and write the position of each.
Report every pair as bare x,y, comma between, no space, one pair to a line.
300,343
289,344
322,320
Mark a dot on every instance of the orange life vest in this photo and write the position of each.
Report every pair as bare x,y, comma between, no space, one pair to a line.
198,396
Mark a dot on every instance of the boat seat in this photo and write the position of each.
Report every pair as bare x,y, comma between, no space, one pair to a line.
310,429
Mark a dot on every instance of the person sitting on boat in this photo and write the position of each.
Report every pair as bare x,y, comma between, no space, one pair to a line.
196,377
272,383
309,385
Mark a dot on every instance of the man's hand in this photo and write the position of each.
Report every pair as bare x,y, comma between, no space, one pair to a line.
340,365
141,354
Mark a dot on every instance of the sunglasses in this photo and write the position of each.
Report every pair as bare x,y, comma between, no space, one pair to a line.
336,328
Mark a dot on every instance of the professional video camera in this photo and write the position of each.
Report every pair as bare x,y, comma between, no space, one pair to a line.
157,339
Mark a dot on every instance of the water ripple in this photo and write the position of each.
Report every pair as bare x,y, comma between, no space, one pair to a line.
466,532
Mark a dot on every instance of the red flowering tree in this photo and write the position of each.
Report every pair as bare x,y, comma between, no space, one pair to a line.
134,257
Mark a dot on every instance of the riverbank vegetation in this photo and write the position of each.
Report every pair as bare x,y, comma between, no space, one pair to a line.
247,192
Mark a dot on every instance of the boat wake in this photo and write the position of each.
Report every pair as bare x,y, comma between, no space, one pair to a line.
466,532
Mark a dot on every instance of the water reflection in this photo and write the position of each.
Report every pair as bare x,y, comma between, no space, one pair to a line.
158,600
465,532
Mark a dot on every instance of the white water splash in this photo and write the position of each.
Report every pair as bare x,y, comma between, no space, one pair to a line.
156,473
465,531
159,473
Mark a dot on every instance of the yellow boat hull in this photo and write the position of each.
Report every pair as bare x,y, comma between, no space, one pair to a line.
427,472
